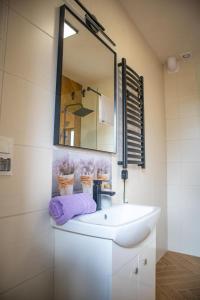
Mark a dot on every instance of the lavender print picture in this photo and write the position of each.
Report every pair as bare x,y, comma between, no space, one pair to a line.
74,171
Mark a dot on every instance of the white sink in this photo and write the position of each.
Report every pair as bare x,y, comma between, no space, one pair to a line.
127,224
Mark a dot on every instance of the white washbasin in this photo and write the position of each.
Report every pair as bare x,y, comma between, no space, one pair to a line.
127,224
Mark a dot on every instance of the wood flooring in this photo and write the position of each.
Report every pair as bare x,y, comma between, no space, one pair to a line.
178,277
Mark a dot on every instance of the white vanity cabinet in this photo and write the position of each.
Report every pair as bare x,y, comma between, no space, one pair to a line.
135,280
147,272
89,268
125,282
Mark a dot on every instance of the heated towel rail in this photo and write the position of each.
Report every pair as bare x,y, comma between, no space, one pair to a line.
133,131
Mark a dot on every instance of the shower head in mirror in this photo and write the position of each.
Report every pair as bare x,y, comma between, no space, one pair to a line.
83,111
79,110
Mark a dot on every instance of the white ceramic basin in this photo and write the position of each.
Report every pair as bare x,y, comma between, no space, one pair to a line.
127,224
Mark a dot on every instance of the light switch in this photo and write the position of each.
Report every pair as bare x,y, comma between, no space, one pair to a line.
6,155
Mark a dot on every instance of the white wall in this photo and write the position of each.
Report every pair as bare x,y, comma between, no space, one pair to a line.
182,93
27,86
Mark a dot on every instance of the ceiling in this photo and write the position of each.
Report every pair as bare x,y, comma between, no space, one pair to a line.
171,27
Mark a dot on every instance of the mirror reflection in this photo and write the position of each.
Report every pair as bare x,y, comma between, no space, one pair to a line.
87,110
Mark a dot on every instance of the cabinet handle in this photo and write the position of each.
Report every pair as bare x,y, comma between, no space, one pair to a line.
136,271
145,262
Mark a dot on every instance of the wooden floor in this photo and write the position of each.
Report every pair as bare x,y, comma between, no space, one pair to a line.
178,277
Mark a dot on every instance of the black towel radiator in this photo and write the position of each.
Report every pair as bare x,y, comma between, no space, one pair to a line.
133,131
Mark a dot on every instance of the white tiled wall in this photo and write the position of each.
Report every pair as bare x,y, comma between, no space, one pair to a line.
29,188
27,85
3,30
183,148
39,287
33,102
27,88
34,50
26,249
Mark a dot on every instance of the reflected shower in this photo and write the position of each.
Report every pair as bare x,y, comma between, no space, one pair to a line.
81,111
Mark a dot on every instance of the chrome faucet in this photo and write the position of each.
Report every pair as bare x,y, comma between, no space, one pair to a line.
97,192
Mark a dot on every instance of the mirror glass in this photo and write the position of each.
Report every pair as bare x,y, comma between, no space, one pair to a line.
87,95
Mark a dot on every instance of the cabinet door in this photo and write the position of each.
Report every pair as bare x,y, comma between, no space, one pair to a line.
146,286
125,282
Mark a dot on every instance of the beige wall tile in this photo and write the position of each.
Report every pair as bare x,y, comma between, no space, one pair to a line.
1,79
34,56
186,80
190,150
170,86
173,151
183,153
29,188
3,31
183,206
175,209
189,128
25,252
1,54
172,109
39,287
190,106
1,19
27,112
42,13
173,173
173,129
161,228
191,174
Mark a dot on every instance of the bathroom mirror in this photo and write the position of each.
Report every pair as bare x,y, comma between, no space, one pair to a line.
85,112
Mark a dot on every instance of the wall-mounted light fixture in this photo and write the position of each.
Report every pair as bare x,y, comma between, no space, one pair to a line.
172,64
69,30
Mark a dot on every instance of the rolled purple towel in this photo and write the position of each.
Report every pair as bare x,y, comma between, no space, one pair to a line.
64,208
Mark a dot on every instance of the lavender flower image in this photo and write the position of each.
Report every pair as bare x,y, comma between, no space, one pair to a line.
86,167
103,168
74,173
66,167
63,167
63,173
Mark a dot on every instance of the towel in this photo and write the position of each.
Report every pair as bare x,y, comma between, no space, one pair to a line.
64,208
106,110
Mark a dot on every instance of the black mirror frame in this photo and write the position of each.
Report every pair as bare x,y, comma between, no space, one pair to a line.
59,81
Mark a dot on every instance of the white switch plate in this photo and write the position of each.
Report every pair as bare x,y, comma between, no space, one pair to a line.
6,155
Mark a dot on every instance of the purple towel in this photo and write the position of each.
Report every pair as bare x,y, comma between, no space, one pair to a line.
64,208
